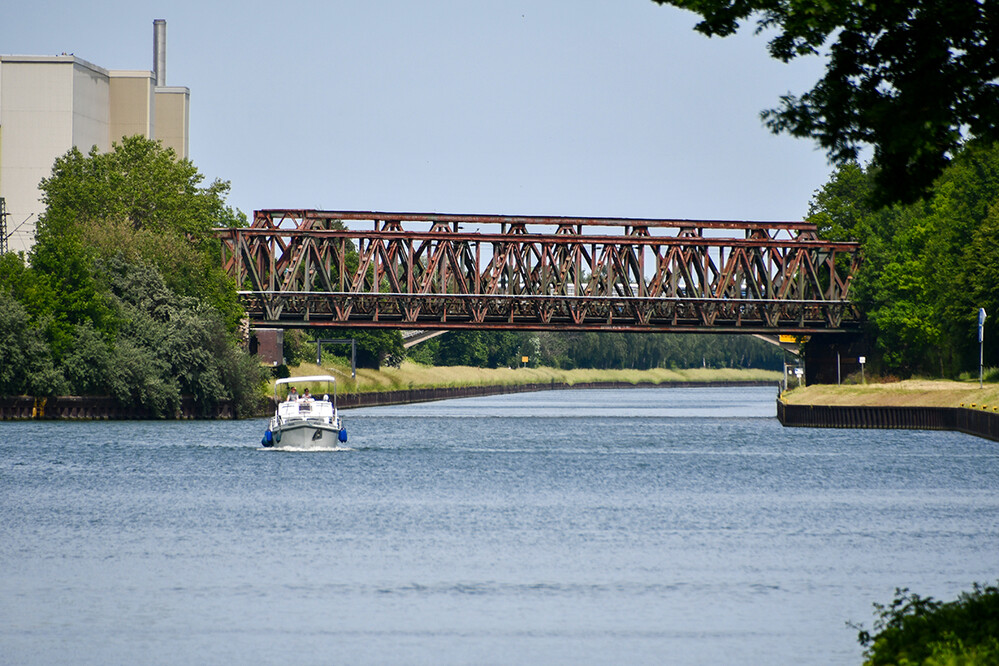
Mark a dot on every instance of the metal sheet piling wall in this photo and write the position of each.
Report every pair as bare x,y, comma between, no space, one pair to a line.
94,408
971,421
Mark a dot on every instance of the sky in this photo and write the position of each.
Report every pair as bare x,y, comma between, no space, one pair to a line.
558,107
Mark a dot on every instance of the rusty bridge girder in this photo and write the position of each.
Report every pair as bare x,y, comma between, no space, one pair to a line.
427,271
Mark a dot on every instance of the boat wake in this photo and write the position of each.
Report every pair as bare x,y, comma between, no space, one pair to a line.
302,449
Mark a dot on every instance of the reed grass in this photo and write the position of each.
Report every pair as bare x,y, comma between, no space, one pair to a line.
908,393
411,375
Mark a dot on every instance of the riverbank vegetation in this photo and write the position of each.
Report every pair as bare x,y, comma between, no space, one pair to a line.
907,393
921,630
123,293
927,267
410,375
561,350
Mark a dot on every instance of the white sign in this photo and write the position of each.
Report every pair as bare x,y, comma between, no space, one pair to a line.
862,360
981,324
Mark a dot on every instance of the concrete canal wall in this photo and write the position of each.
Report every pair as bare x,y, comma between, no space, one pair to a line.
971,421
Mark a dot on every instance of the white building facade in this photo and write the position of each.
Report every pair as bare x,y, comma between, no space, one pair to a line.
49,104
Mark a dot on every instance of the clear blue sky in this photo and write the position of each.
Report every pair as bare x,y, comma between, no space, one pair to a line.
562,107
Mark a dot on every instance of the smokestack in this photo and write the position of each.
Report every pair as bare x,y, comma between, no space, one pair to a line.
159,51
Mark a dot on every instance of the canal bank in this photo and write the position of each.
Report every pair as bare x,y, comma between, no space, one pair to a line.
98,408
910,404
971,421
106,408
406,396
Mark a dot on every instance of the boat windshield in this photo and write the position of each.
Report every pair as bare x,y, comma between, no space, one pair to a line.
318,387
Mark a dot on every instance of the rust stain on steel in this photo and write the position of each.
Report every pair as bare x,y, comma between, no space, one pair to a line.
308,268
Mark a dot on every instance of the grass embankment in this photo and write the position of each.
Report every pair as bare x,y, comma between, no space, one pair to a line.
412,376
908,393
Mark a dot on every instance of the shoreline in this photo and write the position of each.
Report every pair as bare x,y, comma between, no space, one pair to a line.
979,423
913,404
410,396
103,408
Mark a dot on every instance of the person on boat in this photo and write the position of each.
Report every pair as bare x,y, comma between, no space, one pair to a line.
292,394
307,397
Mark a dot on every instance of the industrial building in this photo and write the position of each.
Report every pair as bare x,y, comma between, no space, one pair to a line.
49,104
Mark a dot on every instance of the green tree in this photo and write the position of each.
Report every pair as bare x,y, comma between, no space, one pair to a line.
140,202
912,79
89,362
299,346
425,353
915,630
375,346
26,365
124,294
928,266
184,344
481,349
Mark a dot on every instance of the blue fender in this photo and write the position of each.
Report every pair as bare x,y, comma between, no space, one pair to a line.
342,436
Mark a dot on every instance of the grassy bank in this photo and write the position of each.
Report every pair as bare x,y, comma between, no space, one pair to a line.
908,393
412,376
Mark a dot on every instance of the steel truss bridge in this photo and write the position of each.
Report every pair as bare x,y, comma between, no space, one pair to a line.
299,268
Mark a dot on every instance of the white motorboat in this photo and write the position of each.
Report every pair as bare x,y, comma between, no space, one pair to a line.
305,421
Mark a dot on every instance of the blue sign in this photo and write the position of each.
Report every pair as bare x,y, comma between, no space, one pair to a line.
981,324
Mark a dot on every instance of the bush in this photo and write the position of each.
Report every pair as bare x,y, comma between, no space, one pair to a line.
916,630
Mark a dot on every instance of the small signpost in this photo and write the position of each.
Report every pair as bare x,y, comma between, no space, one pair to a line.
862,360
981,341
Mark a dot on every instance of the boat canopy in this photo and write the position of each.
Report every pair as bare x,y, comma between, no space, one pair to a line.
305,380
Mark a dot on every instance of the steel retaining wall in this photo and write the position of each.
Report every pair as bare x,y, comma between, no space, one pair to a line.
971,421
93,408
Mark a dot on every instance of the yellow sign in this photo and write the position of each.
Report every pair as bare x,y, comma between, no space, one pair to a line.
788,338
524,359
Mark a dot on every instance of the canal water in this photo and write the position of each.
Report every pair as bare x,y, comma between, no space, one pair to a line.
642,526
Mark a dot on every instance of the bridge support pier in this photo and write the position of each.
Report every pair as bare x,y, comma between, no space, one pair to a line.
828,355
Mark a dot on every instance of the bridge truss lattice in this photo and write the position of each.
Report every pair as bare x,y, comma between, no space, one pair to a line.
436,271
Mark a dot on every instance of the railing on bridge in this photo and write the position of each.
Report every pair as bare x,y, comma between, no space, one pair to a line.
432,271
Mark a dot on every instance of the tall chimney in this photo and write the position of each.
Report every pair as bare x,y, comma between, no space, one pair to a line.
159,51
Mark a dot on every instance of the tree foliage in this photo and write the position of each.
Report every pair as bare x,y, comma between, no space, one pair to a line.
913,79
124,293
25,360
142,203
919,630
928,266
597,350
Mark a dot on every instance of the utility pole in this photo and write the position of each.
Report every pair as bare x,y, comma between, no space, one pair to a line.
3,226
